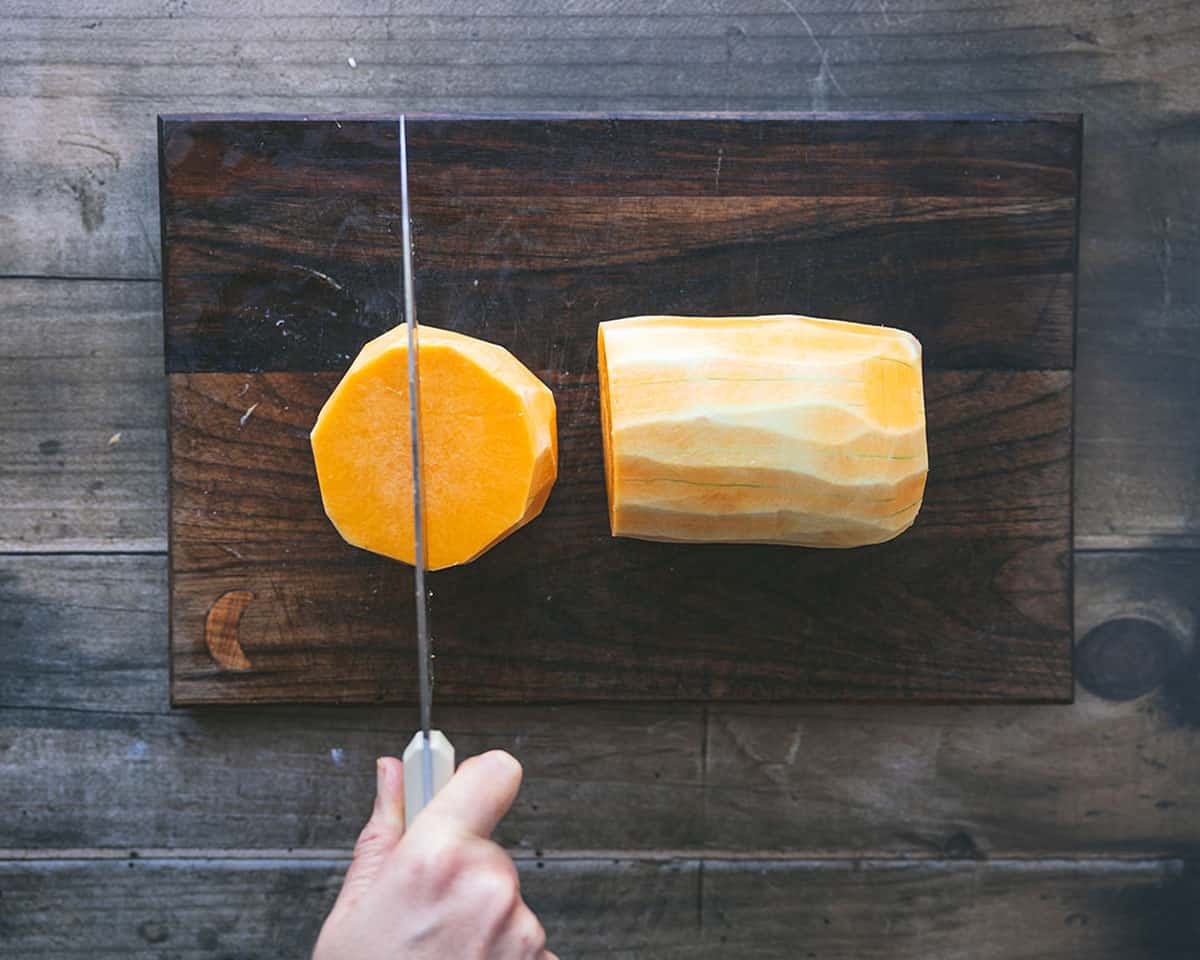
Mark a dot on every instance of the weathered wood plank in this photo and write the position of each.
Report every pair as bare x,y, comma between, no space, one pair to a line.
1116,771
83,634
82,417
982,911
972,604
624,909
274,908
533,18
595,778
1137,445
89,756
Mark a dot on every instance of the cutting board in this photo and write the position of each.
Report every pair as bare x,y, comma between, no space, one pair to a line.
281,258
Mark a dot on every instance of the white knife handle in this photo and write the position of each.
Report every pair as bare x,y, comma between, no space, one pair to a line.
441,768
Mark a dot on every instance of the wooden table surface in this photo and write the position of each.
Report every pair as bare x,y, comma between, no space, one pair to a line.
131,830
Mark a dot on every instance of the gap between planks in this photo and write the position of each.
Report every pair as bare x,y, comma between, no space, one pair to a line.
156,551
82,278
864,859
1135,543
1083,545
1086,544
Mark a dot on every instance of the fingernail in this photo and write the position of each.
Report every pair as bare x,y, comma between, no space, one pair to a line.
380,780
388,800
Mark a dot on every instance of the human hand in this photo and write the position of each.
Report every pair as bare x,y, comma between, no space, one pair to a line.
443,890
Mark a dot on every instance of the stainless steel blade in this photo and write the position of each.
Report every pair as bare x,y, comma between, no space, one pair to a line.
414,403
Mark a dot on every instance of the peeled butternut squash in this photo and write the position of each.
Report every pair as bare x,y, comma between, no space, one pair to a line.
775,429
488,439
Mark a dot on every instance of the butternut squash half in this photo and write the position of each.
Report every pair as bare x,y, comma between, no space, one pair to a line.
488,439
774,429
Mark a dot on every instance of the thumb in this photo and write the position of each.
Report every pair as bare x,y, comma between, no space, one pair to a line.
478,795
382,832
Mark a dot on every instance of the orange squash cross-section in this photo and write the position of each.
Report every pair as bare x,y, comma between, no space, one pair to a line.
488,439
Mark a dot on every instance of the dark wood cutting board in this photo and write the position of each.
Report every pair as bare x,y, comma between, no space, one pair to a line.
281,258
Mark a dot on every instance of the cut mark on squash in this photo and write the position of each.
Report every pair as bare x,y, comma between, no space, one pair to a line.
903,363
760,486
892,391
703,483
221,630
654,383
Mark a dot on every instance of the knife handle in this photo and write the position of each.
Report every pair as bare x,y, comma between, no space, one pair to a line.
439,771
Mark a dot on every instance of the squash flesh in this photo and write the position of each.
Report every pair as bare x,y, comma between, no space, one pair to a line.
488,439
778,429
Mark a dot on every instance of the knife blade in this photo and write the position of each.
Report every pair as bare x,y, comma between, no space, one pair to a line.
429,757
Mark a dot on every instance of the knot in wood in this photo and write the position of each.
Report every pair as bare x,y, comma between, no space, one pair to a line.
1127,658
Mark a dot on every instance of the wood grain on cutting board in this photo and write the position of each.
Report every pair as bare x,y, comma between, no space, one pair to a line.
280,260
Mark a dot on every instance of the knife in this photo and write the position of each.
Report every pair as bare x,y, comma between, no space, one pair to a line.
429,756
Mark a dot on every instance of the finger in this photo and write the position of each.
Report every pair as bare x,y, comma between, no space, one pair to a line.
531,937
547,955
382,832
478,795
524,939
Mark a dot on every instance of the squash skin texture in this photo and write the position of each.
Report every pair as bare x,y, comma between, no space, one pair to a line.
774,429
489,440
